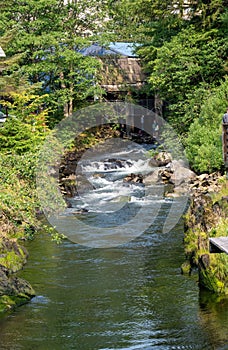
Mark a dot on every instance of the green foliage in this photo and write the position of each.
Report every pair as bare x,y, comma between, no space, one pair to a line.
18,201
215,277
12,260
204,149
189,61
25,126
184,50
204,143
18,137
48,36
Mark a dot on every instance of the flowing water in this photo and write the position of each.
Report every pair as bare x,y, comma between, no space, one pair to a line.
130,296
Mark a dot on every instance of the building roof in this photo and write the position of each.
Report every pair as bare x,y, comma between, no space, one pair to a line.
124,49
2,53
116,49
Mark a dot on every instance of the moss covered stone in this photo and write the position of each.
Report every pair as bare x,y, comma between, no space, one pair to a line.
12,255
14,291
186,268
208,217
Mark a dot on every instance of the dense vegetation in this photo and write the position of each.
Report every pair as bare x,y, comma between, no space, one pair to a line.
183,48
44,78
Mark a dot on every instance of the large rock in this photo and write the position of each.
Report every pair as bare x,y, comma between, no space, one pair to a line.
14,291
151,178
206,218
175,174
14,286
181,174
160,159
12,255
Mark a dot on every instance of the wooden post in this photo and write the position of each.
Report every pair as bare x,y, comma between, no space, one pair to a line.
225,145
158,104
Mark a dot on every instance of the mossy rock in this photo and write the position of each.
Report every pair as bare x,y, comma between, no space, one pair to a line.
14,291
8,303
186,268
213,272
12,255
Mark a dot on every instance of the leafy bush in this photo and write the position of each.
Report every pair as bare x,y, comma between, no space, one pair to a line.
18,201
204,141
18,137
188,65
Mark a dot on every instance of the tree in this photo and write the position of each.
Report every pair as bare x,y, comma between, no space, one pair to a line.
203,144
49,36
146,21
185,68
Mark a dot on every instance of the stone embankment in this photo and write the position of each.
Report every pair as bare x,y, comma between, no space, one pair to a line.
207,217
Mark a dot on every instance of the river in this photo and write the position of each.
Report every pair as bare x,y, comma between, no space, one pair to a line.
129,296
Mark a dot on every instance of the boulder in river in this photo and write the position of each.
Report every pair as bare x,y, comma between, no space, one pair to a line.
160,159
113,163
80,211
134,178
180,173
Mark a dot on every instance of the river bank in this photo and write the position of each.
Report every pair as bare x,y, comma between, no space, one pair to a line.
207,217
18,223
14,291
19,209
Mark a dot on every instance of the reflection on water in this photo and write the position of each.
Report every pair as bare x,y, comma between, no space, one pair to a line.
130,297
213,314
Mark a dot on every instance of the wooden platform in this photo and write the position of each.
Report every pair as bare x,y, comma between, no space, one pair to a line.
219,245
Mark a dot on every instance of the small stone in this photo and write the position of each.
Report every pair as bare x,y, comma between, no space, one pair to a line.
203,177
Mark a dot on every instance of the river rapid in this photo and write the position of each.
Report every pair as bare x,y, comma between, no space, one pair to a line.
128,296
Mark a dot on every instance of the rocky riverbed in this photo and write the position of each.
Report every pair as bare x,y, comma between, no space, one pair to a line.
206,216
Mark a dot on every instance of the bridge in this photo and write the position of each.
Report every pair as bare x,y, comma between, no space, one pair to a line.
218,245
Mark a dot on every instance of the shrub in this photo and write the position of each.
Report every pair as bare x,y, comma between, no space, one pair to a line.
204,141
